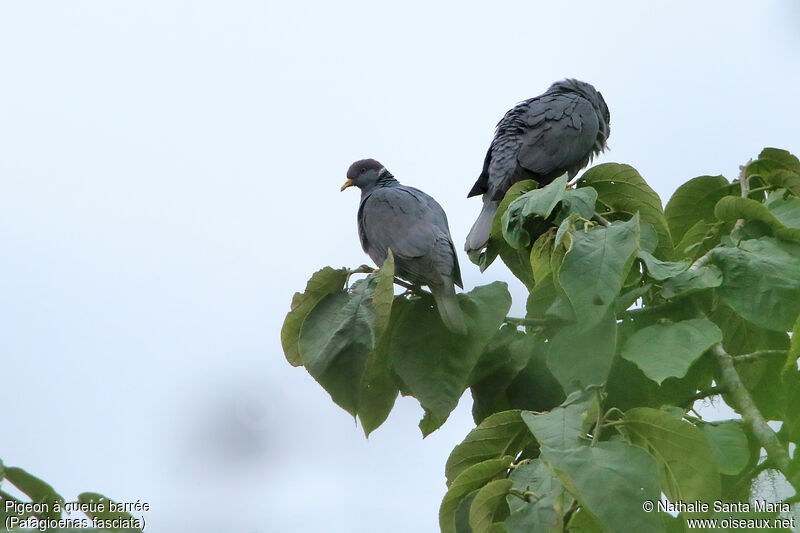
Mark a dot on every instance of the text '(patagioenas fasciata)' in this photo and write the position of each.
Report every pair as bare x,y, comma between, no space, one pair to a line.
541,138
414,226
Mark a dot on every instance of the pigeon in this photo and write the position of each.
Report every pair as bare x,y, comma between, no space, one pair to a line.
540,138
414,227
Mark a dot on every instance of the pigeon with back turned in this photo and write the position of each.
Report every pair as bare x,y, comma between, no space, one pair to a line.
414,227
540,138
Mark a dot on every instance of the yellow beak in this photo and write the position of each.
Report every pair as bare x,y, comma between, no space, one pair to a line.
348,183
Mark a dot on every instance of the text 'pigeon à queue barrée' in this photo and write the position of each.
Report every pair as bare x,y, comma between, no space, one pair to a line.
414,226
540,138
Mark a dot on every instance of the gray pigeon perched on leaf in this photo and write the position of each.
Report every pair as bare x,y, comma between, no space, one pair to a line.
541,138
414,226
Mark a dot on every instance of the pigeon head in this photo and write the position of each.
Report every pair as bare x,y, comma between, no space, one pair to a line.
364,174
596,99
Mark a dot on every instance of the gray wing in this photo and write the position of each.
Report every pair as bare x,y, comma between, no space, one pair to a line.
561,131
414,226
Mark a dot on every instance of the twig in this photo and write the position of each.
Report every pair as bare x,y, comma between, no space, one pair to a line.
525,321
405,285
650,309
743,187
755,356
601,219
743,403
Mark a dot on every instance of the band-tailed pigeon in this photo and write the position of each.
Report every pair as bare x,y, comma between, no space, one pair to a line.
414,226
541,138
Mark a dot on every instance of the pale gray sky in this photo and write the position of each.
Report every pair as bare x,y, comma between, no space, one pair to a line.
169,176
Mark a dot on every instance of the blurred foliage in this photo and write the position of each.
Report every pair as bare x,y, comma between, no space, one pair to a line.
43,509
584,407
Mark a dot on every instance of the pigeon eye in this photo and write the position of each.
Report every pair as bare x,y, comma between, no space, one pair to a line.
363,170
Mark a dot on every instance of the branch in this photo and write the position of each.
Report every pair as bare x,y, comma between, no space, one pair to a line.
405,285
601,219
755,356
525,321
744,405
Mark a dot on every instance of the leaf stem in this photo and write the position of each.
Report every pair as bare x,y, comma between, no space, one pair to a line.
755,356
601,219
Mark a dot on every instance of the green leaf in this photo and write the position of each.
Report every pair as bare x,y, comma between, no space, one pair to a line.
668,349
688,470
544,513
611,480
728,445
761,281
794,350
498,435
579,202
781,157
322,283
563,428
497,243
37,490
661,270
468,481
536,203
622,189
733,208
580,356
582,521
693,203
100,510
698,240
336,339
784,208
689,281
435,364
594,269
489,505
379,390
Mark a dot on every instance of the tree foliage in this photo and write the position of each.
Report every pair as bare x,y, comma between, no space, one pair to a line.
584,407
44,509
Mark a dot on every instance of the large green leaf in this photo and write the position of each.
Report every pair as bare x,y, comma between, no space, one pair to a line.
471,479
611,480
564,427
433,363
778,168
728,445
498,435
661,270
322,283
693,203
37,490
623,190
594,269
668,349
688,469
489,505
543,512
536,203
693,280
379,389
785,208
733,208
761,281
580,356
579,202
336,340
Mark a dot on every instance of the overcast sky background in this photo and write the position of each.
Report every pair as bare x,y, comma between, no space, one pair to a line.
169,176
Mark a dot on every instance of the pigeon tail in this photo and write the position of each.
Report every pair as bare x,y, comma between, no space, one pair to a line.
449,310
479,234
